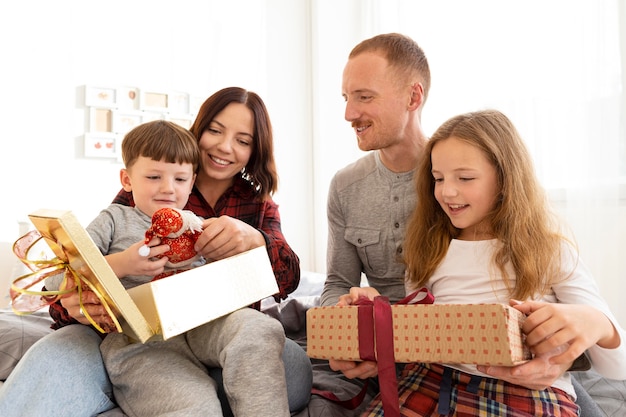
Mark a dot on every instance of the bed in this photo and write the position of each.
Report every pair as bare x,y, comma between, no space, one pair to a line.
18,333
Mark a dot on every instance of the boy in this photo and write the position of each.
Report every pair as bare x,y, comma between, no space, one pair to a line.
160,161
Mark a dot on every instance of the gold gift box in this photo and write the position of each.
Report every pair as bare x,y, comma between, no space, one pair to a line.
170,306
481,334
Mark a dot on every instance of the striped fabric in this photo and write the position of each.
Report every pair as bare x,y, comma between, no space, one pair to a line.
422,385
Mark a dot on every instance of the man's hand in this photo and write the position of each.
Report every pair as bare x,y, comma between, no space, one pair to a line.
356,293
350,369
537,374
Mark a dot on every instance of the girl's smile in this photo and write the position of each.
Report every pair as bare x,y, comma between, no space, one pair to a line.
465,186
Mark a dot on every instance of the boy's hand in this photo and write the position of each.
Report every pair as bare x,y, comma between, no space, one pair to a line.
131,262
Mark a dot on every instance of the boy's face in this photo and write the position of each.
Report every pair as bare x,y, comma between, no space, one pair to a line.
158,184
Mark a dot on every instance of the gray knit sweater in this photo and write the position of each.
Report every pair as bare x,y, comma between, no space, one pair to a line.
368,209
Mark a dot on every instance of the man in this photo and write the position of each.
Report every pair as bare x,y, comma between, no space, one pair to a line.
385,85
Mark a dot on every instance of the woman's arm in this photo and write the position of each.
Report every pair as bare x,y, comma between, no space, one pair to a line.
285,262
226,236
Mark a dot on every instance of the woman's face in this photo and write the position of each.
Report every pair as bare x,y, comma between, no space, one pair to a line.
226,146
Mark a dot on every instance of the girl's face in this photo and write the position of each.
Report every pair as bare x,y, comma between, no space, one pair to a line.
466,186
226,146
158,184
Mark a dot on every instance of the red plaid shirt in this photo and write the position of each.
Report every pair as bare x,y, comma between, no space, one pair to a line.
238,202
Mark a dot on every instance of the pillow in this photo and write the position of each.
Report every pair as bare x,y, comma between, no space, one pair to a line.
17,334
609,394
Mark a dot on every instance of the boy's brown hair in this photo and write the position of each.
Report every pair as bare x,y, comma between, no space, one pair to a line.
160,140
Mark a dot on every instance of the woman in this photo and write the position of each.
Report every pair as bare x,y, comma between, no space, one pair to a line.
232,191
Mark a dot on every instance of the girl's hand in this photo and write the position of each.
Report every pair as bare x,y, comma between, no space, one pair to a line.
562,332
130,262
226,236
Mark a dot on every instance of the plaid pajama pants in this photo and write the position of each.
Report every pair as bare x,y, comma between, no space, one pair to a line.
435,390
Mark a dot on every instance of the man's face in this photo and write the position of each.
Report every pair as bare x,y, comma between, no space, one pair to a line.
376,102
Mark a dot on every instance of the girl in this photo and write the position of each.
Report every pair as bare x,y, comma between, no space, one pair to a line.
482,233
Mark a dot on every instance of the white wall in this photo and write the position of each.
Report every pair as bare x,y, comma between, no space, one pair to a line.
51,49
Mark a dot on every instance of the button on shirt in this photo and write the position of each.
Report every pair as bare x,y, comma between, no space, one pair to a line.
368,209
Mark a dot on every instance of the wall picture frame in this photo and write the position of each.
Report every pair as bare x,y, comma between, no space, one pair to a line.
184,121
100,119
127,98
101,145
153,101
100,96
124,121
178,103
195,102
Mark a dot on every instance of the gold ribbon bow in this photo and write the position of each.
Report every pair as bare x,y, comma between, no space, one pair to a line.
26,300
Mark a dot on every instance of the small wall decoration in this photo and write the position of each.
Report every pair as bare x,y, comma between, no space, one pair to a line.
128,98
113,111
150,100
181,121
102,145
125,121
178,103
100,120
100,96
194,104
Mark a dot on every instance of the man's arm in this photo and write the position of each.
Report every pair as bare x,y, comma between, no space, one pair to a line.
343,265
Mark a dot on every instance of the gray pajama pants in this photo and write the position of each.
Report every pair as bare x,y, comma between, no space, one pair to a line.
170,378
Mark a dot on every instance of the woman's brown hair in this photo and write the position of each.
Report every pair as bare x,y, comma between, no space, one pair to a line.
260,171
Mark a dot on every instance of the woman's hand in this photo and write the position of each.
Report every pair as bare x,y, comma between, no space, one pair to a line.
127,262
90,304
226,236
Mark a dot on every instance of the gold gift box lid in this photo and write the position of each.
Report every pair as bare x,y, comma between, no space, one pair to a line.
164,308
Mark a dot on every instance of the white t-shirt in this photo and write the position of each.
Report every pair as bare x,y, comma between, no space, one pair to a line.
467,276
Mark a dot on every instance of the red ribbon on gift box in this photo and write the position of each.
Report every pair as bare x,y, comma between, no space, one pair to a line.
375,324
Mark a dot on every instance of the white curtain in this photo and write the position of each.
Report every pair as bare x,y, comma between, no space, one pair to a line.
556,68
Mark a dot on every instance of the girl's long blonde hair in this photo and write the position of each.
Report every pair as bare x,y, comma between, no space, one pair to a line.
521,219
